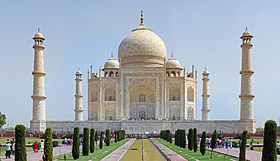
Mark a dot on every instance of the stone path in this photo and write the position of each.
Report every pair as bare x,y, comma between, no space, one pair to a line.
250,154
31,156
168,153
118,153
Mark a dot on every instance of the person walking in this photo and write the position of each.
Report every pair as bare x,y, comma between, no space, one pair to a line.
8,149
42,145
251,144
35,146
227,143
230,143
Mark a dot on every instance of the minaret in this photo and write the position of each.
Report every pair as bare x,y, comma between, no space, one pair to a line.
78,104
205,96
246,96
38,122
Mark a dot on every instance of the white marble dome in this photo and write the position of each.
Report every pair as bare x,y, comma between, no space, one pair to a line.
111,63
142,48
38,35
173,63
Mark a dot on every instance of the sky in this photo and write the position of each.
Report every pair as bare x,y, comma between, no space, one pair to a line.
81,33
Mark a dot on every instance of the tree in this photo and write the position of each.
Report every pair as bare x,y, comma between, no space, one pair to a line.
170,138
194,140
2,120
48,145
213,142
269,142
86,142
108,137
242,153
76,144
92,132
203,143
96,138
101,140
20,151
183,138
190,139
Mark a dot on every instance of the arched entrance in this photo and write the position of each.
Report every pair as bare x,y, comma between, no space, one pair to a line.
142,102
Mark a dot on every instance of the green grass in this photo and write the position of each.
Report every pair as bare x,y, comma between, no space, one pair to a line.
192,156
28,140
257,140
98,153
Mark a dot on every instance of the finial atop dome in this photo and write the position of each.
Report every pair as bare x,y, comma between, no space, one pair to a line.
172,55
112,55
246,33
142,19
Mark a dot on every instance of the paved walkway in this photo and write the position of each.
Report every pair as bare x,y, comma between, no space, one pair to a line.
250,154
31,156
168,153
118,153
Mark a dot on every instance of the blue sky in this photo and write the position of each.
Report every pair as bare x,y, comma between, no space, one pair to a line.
81,33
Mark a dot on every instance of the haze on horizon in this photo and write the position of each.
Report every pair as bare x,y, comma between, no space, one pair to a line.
78,34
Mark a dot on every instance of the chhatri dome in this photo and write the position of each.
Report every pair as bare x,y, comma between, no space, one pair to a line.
38,35
173,63
111,63
142,48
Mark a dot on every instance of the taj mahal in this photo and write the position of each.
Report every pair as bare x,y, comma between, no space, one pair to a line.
143,91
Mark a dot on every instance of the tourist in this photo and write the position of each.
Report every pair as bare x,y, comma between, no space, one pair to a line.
223,143
278,148
13,148
35,146
8,149
42,145
65,141
230,143
227,143
251,144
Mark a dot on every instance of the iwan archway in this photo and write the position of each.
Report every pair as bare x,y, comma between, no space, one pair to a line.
142,102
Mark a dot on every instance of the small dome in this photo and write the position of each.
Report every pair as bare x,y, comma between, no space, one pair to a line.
111,63
78,72
246,33
173,63
205,73
38,35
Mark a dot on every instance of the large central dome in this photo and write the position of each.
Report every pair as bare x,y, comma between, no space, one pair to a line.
142,48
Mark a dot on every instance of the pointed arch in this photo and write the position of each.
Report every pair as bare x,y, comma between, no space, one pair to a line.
110,93
190,113
190,94
174,93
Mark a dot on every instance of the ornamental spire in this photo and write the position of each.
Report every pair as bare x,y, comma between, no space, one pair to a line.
142,19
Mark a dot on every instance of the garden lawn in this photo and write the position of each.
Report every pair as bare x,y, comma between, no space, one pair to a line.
28,140
98,153
192,156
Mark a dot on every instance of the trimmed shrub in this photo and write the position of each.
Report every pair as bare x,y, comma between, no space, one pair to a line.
48,146
194,140
269,142
20,151
101,140
190,139
86,142
203,143
55,143
213,142
76,144
96,138
183,139
108,137
170,138
242,153
92,132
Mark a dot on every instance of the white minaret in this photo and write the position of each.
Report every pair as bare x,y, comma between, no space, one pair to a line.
205,96
78,104
246,96
38,122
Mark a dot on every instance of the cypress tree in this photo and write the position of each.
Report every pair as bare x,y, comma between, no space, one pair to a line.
176,137
269,142
76,144
183,138
170,138
101,140
242,153
213,142
108,137
86,142
92,138
48,146
194,140
96,138
203,143
20,151
190,139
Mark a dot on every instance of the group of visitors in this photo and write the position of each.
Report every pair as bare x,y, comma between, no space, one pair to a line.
68,141
37,147
221,143
10,148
